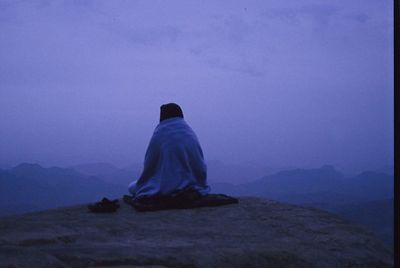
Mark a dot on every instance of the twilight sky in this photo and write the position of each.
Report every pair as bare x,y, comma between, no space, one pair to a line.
273,83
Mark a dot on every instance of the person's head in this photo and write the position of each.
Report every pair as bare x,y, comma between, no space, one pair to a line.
170,110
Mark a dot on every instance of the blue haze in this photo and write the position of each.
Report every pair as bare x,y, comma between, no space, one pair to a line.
264,83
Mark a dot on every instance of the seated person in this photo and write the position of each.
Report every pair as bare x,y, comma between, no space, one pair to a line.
174,173
174,160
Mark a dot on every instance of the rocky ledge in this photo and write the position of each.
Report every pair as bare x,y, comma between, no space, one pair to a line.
254,233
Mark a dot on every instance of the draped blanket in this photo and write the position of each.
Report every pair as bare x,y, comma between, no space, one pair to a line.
174,161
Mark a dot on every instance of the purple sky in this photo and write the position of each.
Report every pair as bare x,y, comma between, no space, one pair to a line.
273,83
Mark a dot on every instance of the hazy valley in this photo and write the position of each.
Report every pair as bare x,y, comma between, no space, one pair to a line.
365,199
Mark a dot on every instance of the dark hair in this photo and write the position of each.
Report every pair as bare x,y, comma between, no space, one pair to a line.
170,110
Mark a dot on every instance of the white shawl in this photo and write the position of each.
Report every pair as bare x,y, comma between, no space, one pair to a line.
174,160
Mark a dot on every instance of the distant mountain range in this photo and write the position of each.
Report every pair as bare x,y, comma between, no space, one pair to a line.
366,198
109,173
29,187
217,172
316,185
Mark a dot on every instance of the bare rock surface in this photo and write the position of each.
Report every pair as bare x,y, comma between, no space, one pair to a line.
254,233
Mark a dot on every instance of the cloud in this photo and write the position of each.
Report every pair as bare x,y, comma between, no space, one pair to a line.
359,17
149,36
236,29
243,68
224,44
320,14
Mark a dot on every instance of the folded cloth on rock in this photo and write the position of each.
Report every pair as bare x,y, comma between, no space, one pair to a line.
174,161
188,198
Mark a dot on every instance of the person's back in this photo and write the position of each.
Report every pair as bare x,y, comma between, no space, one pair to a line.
174,159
